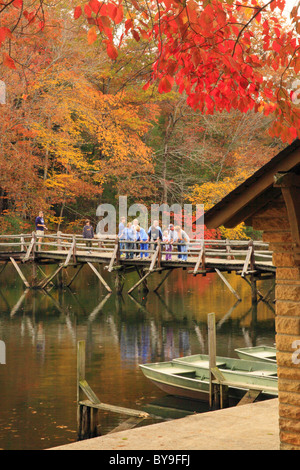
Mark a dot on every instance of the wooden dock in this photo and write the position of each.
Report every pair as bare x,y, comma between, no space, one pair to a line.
252,260
89,405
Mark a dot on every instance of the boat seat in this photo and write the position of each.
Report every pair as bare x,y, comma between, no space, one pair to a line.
266,355
263,373
187,373
205,364
178,370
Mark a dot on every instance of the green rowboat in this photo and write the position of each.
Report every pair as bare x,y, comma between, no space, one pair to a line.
190,379
258,353
231,365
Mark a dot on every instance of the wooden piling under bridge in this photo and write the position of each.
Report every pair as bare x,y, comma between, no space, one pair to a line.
251,260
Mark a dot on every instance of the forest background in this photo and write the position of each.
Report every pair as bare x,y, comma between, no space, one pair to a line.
79,128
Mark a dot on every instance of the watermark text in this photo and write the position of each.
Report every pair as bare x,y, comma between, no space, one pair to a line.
2,353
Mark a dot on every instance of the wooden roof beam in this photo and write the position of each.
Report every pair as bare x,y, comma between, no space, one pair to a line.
253,207
290,187
233,209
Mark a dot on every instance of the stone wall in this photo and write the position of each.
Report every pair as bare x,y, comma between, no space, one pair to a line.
273,220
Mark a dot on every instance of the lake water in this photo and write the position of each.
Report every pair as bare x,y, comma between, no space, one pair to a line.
38,382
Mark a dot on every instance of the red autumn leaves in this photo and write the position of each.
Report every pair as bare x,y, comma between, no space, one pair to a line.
103,17
17,14
216,52
7,60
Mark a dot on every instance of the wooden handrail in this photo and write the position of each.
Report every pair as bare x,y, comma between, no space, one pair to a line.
247,261
70,253
197,249
201,258
114,255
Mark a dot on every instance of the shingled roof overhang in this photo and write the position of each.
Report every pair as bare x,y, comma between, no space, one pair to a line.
255,193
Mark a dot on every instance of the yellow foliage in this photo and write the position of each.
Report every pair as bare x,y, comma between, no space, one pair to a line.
212,192
87,136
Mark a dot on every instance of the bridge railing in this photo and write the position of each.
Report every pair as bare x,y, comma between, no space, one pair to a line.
14,243
197,251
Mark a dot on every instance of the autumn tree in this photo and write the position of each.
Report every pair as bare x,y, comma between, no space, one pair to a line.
85,82
61,132
209,49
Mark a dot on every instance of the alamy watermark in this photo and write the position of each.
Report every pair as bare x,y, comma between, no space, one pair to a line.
2,92
2,353
295,92
296,354
187,217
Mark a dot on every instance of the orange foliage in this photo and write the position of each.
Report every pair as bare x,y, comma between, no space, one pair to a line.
61,137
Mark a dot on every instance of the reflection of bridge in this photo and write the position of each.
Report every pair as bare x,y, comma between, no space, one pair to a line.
250,259
170,320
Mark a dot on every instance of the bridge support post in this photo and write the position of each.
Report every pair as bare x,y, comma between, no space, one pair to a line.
99,277
60,279
252,277
34,274
163,280
119,281
75,275
228,285
143,278
20,273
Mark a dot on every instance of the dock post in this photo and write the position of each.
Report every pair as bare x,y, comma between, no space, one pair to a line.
87,417
218,391
213,393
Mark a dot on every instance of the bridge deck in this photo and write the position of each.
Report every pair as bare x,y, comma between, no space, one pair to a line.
105,258
246,258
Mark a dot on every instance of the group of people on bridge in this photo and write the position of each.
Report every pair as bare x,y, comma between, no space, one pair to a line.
136,241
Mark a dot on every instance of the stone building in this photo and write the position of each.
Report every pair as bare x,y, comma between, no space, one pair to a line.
270,201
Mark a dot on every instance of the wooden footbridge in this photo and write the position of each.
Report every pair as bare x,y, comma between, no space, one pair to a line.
250,259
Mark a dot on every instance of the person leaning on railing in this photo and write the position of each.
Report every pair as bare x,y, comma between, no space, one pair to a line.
121,235
129,235
183,241
172,238
142,237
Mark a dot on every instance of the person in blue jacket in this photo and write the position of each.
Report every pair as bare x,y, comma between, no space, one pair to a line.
142,237
121,234
154,233
183,241
129,236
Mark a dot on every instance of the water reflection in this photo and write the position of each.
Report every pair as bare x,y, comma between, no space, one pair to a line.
38,384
